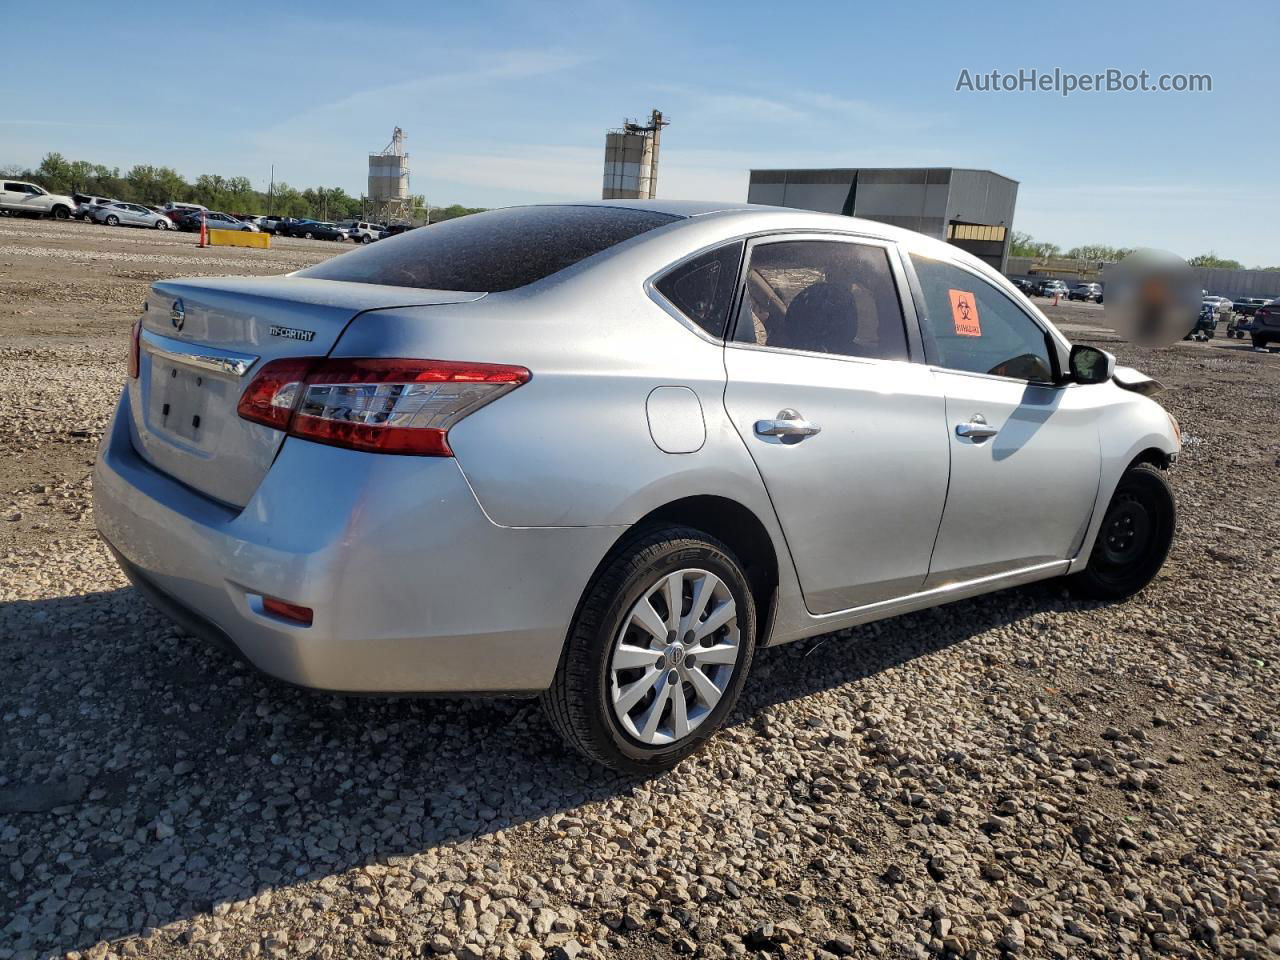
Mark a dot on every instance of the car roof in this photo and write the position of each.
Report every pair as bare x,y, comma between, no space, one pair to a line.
788,218
675,208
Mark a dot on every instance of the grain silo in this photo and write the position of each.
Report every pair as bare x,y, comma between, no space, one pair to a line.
388,199
631,160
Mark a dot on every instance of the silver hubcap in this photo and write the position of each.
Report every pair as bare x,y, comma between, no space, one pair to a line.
674,656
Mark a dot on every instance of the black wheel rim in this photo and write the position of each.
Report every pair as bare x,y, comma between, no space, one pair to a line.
1126,532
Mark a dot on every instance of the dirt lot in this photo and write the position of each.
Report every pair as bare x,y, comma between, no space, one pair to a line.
1018,774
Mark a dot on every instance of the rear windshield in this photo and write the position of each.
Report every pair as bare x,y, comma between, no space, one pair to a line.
493,251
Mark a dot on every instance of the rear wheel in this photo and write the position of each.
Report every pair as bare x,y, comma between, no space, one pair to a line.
657,653
111,220
1134,539
307,235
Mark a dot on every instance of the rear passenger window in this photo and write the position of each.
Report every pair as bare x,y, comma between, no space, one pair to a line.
822,296
703,288
971,326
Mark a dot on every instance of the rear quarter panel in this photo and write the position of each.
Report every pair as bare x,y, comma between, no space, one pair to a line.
573,446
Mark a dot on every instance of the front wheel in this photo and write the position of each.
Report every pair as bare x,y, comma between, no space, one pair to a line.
657,653
161,225
307,235
61,213
1134,539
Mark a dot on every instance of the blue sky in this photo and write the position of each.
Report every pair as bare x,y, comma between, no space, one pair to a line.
507,102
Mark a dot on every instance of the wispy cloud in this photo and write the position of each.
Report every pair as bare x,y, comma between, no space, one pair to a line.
720,105
53,123
488,69
797,107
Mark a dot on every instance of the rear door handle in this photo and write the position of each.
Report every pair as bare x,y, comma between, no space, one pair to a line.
788,424
976,429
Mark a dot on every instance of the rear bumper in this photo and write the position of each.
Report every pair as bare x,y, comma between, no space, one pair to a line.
414,589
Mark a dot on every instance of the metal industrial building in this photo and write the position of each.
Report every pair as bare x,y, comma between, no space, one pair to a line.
971,208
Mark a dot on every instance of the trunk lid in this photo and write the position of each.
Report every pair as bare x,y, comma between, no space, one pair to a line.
201,344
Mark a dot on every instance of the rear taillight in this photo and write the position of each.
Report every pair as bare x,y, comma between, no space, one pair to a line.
273,393
380,405
135,348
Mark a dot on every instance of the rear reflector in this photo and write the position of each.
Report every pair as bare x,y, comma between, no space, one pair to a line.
288,611
380,405
135,347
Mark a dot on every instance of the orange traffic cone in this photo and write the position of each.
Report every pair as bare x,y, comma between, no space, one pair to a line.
204,231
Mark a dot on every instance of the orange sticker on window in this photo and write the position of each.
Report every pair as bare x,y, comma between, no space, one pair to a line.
964,313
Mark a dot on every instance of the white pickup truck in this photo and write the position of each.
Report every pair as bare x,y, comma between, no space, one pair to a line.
20,198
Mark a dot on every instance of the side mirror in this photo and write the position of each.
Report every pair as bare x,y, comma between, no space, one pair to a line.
1090,365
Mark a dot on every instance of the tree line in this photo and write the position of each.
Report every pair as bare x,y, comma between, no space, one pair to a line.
1025,245
152,186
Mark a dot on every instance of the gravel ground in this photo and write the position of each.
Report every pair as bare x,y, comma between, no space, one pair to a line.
1019,774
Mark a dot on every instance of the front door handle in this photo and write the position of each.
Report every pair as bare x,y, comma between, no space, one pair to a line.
788,424
976,429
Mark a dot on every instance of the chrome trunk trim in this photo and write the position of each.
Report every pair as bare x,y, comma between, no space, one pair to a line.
197,355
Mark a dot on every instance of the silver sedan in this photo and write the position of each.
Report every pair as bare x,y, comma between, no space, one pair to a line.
603,452
121,214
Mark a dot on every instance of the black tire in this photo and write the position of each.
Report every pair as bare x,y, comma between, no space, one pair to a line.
578,701
1134,539
307,235
61,213
161,225
111,220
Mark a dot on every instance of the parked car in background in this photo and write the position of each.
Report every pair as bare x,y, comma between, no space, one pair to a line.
282,226
130,215
272,222
177,211
1053,288
215,220
1248,306
395,229
591,478
1025,286
1265,326
317,230
86,204
23,199
1089,292
362,231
